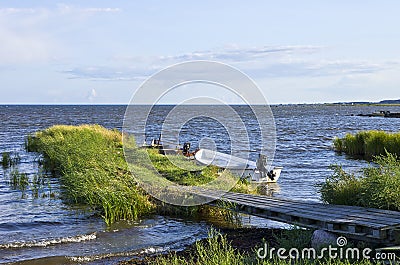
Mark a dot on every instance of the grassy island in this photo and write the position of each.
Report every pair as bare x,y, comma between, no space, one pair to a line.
368,144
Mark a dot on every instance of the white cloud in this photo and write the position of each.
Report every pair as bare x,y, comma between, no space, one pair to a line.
263,62
13,10
26,34
92,95
103,73
69,9
18,47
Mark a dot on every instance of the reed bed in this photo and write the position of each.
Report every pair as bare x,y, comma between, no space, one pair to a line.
368,144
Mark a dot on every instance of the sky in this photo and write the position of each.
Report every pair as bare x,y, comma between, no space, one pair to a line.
100,52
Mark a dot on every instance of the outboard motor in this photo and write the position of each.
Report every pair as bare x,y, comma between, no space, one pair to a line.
186,149
271,174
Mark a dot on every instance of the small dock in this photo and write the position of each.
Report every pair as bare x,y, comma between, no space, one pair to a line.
361,223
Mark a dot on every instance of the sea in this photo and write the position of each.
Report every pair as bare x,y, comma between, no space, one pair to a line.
37,227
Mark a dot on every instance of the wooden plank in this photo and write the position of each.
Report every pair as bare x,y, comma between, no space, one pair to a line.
386,221
303,214
310,211
357,221
343,208
396,215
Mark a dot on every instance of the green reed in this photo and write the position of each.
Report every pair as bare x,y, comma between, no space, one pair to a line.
368,144
19,181
9,160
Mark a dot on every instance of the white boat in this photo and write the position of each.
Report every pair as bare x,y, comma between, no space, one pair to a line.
239,166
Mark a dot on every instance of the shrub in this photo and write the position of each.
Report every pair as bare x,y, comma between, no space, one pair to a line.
378,187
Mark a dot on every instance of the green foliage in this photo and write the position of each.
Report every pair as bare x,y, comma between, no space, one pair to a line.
378,187
368,144
89,159
342,188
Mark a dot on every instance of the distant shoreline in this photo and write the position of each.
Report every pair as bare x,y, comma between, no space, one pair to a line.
347,104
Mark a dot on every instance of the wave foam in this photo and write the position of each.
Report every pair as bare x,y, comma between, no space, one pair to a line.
45,243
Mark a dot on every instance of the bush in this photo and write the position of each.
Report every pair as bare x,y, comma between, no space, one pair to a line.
378,187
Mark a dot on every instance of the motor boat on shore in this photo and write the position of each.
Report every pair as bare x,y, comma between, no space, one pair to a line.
255,172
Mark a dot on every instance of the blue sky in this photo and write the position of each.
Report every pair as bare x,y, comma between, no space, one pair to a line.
296,51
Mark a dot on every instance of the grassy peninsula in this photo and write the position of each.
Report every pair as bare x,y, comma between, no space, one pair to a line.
93,171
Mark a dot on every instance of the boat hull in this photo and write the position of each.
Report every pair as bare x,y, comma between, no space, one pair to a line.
243,168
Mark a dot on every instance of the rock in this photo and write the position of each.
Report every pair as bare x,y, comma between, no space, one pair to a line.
321,238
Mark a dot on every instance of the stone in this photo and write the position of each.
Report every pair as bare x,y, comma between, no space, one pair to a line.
321,238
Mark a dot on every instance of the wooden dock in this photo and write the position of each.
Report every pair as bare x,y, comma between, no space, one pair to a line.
367,224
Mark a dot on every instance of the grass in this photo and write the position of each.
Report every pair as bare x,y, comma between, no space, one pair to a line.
182,171
295,237
216,249
377,187
368,144
89,160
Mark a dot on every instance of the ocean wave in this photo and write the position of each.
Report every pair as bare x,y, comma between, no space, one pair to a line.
48,242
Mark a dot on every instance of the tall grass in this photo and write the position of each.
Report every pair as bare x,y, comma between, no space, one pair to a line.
368,143
89,159
216,249
377,187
